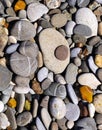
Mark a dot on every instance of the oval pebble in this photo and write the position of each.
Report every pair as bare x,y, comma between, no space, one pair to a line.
1,106
39,124
56,107
24,118
12,48
74,52
53,4
72,112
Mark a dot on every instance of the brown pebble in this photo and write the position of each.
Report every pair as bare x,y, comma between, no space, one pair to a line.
61,52
54,126
83,110
36,87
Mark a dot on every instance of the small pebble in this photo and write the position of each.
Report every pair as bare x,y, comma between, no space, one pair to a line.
98,118
62,123
54,126
53,4
70,124
91,109
82,3
35,108
39,124
98,61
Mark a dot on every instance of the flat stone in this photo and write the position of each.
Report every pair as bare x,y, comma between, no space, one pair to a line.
85,13
56,106
82,3
24,33
24,118
98,118
58,20
46,118
86,123
89,79
94,40
36,11
97,103
71,73
49,40
82,29
61,52
5,78
72,112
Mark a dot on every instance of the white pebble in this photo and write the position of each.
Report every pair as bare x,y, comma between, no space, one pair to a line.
1,106
50,76
12,48
91,109
70,124
42,74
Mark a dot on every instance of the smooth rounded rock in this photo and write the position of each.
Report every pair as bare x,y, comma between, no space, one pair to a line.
56,107
36,11
82,3
1,106
98,118
62,123
86,16
54,126
24,118
12,48
79,39
49,40
94,40
21,32
53,4
72,112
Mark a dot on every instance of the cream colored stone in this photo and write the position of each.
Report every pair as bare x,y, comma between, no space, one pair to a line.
100,28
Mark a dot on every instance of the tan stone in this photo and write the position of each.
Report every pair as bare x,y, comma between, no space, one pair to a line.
100,28
98,60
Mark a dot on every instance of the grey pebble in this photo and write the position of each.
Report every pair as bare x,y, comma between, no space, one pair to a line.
39,124
77,61
45,24
35,108
63,5
1,8
94,40
45,101
82,3
22,14
98,50
82,30
45,84
12,48
99,74
72,2
79,39
98,118
84,67
21,32
10,11
24,118
71,73
5,78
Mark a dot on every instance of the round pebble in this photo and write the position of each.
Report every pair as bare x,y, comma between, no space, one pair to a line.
53,4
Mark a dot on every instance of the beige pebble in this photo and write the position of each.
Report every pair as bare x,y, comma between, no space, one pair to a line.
70,124
53,4
100,28
98,60
54,126
3,61
11,39
40,59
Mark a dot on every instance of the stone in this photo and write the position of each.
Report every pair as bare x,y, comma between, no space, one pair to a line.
21,32
77,61
89,79
45,117
69,28
20,5
100,28
45,84
98,118
4,123
99,1
22,89
45,101
11,39
98,60
1,8
49,40
1,106
36,11
61,52
86,93
70,124
72,94
35,108
72,2
79,39
82,3
40,59
62,123
12,48
5,77
60,79
11,117
75,52
98,49
72,112
24,118
71,73
82,29
84,67
16,64
51,76
45,24
99,74
54,126
36,87
85,13
10,12
94,40
91,109
12,103
53,4
56,106
97,103
86,123
56,89
39,124
58,20
22,14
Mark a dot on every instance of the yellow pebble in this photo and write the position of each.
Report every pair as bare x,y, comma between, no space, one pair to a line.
27,105
86,93
12,103
98,60
20,5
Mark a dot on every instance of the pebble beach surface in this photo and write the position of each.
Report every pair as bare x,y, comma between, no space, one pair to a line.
50,64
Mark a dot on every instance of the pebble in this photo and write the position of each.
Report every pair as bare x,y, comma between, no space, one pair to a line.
62,123
86,123
84,66
54,126
60,79
49,40
82,3
88,20
56,106
75,52
100,28
72,94
45,24
91,109
82,29
42,74
40,59
21,32
1,106
11,117
94,40
98,49
45,84
79,39
98,118
72,112
53,4
10,11
24,118
51,76
12,39
89,79
58,20
70,124
71,73
22,14
72,2
45,102
97,103
4,123
98,60
35,108
1,8
99,1
69,28
99,74
36,11
39,124
12,48
45,117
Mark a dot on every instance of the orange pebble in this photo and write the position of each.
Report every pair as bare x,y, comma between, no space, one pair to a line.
86,93
20,5
12,103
